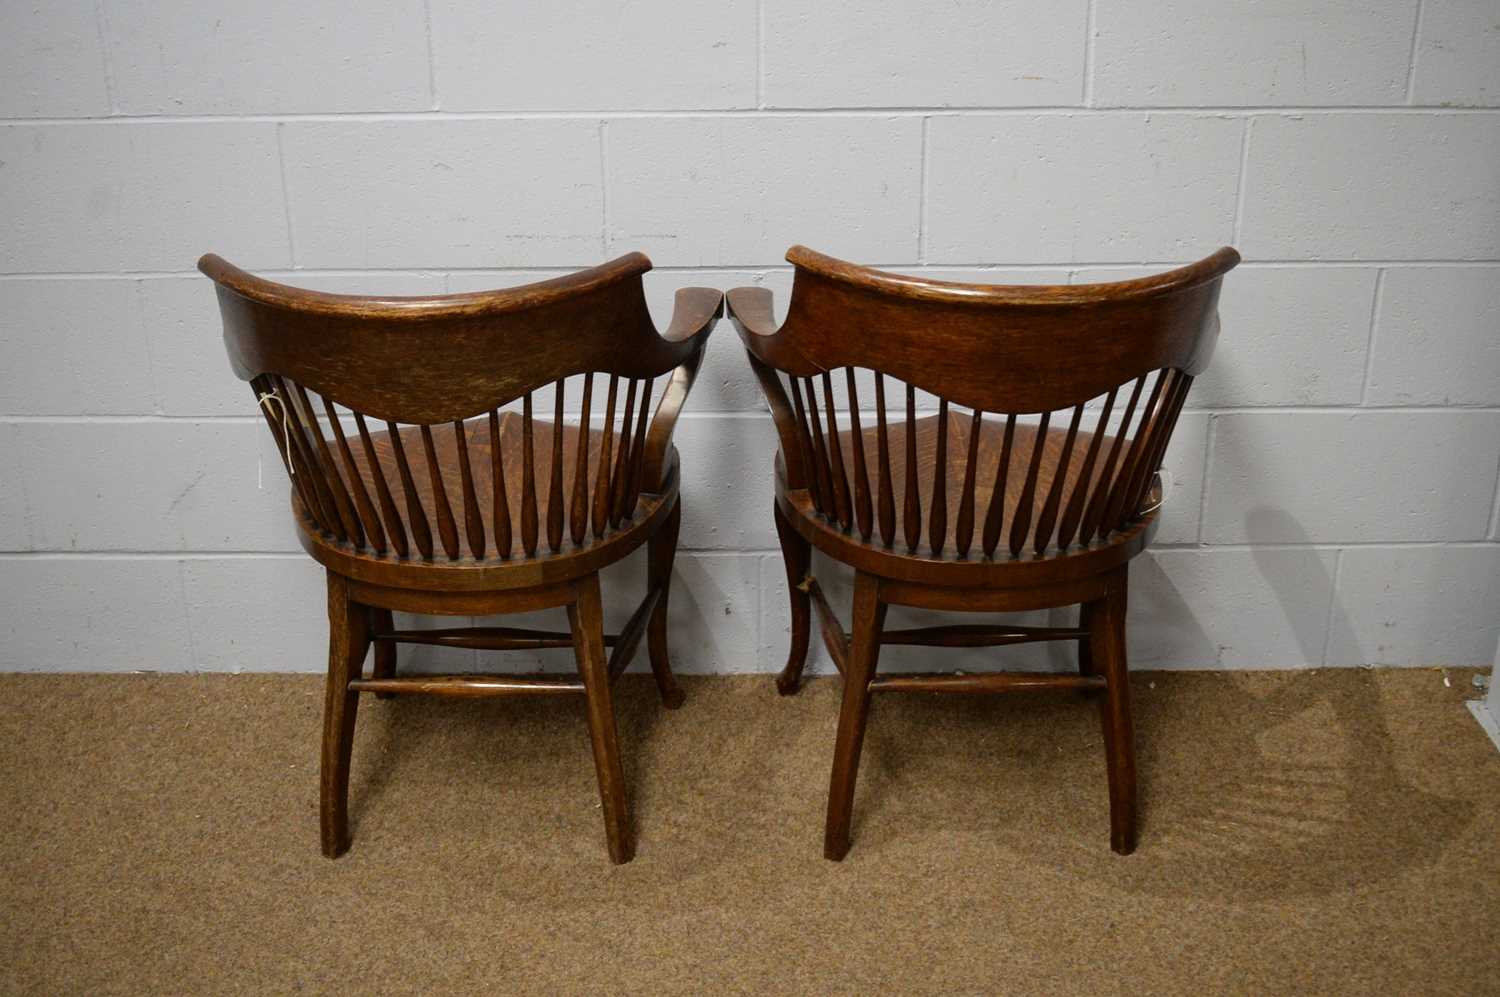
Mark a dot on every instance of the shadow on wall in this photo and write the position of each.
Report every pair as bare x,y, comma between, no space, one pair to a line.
1266,785
1308,779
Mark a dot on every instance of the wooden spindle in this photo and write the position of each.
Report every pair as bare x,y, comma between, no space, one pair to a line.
473,525
912,510
329,472
322,509
357,491
887,502
830,508
864,513
1021,525
618,481
836,456
1073,513
994,518
1114,509
578,519
606,451
1094,512
937,519
281,432
809,457
1162,437
394,527
416,516
1048,518
447,525
963,536
637,452
529,524
499,501
555,475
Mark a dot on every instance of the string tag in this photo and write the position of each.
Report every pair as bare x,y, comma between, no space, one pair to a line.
1164,485
286,433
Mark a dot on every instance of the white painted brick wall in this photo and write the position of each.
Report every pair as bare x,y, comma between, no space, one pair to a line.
1250,52
1061,188
272,57
973,53
1336,470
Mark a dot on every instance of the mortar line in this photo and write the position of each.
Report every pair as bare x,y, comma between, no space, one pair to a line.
987,265
1208,457
282,555
1014,110
1495,509
1377,298
922,198
764,416
286,195
432,95
101,28
1333,602
1088,55
1241,185
760,54
728,552
1411,57
604,239
187,621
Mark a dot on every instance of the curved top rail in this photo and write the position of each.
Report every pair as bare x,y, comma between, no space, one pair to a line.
472,304
1210,267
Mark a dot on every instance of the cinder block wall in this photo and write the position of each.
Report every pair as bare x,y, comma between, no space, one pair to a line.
1336,470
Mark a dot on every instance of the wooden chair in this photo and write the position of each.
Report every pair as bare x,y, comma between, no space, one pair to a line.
995,509
450,513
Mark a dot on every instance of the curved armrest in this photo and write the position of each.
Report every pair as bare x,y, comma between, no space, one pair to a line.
696,311
751,311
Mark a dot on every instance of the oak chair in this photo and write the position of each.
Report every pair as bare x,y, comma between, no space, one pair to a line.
460,508
994,509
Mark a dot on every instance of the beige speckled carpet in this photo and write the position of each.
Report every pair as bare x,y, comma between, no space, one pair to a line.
1328,832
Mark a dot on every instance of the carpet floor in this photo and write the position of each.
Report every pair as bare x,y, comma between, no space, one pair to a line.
1305,832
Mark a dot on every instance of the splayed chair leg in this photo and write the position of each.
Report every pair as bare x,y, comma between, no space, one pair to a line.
864,653
796,554
1107,638
348,640
663,551
586,616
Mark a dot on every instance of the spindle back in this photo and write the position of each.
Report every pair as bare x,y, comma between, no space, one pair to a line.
1110,362
445,366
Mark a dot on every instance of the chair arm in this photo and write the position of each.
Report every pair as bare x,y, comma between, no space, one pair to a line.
696,312
751,311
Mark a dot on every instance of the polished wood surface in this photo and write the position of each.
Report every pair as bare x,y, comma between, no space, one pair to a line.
1031,486
423,478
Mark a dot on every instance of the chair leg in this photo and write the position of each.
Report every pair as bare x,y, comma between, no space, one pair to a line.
348,640
586,616
864,653
796,554
1107,637
663,550
385,650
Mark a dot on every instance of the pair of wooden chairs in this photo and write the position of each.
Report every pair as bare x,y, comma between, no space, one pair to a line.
461,505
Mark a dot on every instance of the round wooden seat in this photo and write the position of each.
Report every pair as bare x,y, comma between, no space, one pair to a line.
961,560
489,538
